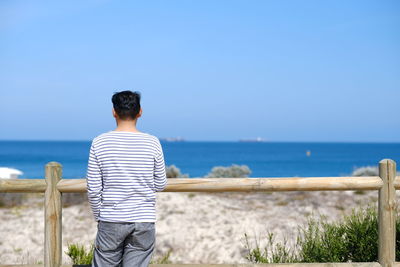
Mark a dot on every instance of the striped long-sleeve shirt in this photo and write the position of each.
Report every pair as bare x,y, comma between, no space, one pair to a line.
125,170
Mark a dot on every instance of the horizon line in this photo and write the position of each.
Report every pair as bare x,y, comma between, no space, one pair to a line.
210,141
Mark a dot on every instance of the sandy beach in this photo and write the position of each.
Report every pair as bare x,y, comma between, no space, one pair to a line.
195,227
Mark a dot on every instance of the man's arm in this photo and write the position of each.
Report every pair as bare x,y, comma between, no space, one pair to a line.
160,177
94,183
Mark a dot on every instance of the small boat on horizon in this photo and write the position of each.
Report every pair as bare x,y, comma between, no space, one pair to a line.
255,140
172,139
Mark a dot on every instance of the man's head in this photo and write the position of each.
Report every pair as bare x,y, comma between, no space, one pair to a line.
126,105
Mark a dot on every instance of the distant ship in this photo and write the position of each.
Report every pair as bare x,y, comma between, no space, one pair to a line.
255,140
9,173
172,139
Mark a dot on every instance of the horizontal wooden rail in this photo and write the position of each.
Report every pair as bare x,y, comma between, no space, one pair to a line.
23,185
386,183
274,184
217,184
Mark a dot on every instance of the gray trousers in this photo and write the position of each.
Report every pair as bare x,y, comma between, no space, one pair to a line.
125,244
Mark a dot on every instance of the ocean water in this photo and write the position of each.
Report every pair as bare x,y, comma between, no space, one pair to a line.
267,159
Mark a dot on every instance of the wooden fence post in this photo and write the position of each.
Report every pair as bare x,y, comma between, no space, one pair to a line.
387,212
52,216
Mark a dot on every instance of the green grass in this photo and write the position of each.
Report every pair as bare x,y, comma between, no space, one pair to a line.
272,253
353,239
79,254
164,259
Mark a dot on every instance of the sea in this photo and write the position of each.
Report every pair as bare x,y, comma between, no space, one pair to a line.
265,159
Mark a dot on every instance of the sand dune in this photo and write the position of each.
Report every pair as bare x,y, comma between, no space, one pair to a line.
196,227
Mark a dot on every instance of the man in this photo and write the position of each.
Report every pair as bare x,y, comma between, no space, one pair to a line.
125,170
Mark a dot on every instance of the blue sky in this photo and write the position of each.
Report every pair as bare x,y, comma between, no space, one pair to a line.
207,70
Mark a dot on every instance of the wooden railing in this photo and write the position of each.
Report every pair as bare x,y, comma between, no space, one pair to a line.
387,182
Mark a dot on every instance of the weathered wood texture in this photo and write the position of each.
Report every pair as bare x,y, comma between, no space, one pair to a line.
22,185
52,216
387,213
250,184
274,184
217,184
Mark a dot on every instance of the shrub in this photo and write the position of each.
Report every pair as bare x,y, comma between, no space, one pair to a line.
367,171
272,253
79,255
174,172
234,171
354,239
8,200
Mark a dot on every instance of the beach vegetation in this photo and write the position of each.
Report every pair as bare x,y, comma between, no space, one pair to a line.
367,171
282,203
163,259
75,198
174,172
79,254
359,192
352,239
12,199
272,253
233,171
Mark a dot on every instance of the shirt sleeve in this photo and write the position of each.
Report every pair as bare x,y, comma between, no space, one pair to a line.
94,183
160,177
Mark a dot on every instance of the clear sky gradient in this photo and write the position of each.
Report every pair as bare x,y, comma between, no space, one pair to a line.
207,70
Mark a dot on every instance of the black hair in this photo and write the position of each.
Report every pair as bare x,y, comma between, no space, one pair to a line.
126,104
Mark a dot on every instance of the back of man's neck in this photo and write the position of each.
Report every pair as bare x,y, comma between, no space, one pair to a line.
129,126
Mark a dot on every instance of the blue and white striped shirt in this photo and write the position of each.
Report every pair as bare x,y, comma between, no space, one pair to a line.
125,170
